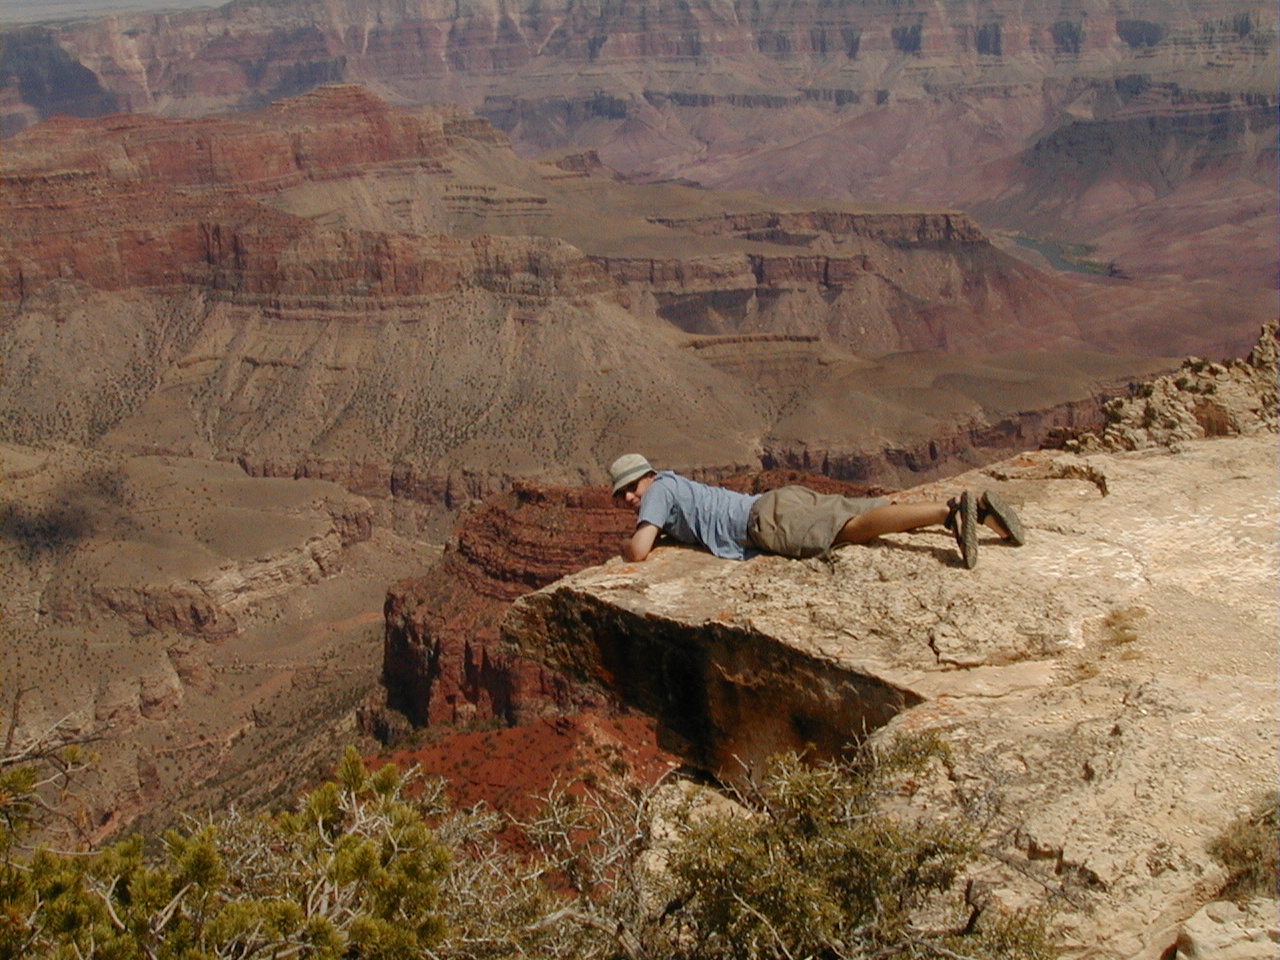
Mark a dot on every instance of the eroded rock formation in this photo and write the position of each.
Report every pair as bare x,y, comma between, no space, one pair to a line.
387,298
1203,399
442,661
180,615
1149,132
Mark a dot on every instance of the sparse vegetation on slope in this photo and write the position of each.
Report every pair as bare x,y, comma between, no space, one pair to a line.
820,873
1248,849
378,865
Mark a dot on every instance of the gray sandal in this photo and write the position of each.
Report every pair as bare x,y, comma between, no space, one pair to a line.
991,504
962,520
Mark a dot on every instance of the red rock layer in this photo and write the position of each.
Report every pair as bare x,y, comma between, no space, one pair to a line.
138,201
442,660
510,770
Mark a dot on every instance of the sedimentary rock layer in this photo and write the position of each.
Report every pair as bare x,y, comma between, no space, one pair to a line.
245,54
442,661
388,298
1148,131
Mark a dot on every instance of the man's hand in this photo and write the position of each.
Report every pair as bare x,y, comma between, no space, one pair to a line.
637,546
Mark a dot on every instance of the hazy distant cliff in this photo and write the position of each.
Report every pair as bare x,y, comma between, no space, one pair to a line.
245,53
1148,131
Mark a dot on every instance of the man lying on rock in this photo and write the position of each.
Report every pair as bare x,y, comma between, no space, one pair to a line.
791,521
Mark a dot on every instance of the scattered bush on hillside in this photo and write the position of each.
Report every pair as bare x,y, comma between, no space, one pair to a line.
354,872
820,872
377,865
1250,849
565,885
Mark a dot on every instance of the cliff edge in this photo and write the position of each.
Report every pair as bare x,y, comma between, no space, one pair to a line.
1108,690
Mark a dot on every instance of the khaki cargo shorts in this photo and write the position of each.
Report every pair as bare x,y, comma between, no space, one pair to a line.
799,522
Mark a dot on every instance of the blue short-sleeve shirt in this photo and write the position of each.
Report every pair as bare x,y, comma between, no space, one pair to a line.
694,512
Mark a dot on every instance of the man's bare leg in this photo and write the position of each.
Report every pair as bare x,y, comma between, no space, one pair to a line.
897,518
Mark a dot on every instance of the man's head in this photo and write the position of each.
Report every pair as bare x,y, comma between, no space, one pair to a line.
629,474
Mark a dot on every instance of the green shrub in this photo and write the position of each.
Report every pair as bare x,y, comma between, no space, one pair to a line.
354,872
822,872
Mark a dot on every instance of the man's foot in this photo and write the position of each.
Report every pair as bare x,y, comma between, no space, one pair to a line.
962,520
992,506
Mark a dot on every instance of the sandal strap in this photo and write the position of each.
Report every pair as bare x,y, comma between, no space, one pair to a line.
953,510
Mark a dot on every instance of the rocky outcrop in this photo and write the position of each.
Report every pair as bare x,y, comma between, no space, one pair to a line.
442,659
1202,399
1092,738
208,605
1230,930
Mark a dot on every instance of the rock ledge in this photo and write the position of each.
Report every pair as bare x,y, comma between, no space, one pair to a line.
1109,690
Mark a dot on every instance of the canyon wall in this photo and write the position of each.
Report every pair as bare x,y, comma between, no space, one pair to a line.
442,662
243,54
1131,128
390,299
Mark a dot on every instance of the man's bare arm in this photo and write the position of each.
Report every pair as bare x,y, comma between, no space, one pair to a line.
637,546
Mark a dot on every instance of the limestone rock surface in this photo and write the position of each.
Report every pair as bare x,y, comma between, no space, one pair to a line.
1224,930
1108,690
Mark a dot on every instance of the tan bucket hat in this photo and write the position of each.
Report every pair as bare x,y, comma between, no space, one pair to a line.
628,468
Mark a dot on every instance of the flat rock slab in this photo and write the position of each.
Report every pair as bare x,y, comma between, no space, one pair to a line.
1109,689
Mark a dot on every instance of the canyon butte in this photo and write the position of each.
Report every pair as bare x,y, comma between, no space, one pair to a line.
287,289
